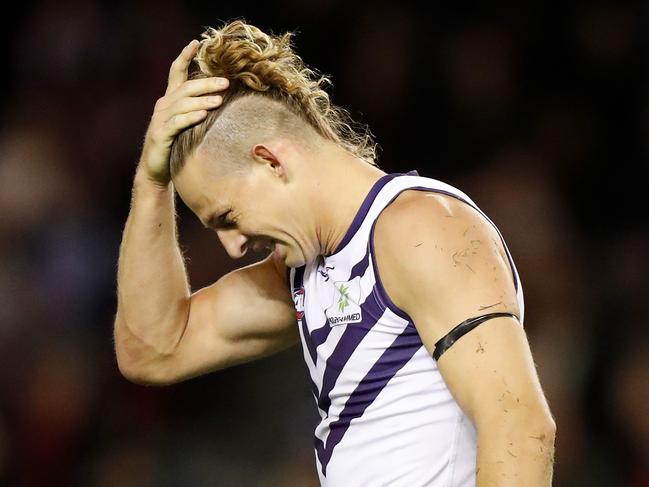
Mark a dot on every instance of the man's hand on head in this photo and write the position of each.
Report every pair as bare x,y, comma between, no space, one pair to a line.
184,104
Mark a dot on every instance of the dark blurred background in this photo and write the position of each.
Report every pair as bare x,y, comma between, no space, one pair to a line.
539,111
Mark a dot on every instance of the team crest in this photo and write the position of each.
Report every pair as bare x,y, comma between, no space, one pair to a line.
298,299
345,307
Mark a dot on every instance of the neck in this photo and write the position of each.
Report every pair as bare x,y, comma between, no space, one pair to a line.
341,183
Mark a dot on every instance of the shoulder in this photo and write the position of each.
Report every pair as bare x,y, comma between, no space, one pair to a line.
434,225
438,254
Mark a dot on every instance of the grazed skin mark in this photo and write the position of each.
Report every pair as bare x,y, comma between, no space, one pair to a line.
503,379
420,243
512,454
467,229
462,254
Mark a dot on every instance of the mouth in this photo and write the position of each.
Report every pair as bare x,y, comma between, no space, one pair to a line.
263,246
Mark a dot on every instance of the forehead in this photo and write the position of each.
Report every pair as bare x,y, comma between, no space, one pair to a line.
200,189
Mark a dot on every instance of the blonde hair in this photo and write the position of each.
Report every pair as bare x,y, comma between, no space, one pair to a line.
266,65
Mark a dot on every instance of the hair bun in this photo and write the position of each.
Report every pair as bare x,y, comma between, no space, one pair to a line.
260,61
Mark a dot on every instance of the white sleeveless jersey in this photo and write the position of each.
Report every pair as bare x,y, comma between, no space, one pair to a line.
387,417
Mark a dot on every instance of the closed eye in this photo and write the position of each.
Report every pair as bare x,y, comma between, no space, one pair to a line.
221,221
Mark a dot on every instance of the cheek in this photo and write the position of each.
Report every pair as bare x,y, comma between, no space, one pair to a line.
266,218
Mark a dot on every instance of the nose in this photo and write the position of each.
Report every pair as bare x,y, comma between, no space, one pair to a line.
234,242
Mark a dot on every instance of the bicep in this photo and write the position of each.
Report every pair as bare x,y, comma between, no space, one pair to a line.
492,376
246,315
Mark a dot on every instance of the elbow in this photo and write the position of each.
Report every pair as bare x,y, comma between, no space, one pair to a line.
144,375
141,368
549,431
551,427
541,441
534,423
543,432
131,372
543,422
527,438
137,362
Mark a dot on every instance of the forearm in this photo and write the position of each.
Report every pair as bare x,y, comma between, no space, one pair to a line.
514,455
152,287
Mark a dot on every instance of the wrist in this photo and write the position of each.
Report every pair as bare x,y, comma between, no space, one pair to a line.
144,180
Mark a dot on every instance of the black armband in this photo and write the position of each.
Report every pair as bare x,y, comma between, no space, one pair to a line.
462,329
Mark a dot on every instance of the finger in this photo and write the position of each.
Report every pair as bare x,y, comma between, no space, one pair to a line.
183,120
191,104
199,87
178,70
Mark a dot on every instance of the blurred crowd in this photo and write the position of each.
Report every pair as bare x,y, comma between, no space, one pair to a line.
539,111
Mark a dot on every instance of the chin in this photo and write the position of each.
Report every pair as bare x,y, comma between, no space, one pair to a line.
291,262
290,259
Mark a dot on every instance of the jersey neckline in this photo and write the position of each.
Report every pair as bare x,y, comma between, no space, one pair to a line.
365,208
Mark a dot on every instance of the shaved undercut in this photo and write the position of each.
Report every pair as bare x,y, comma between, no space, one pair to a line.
250,120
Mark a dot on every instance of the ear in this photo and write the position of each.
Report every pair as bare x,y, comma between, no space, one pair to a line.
265,154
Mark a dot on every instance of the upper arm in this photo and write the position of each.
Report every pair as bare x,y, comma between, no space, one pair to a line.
245,315
442,262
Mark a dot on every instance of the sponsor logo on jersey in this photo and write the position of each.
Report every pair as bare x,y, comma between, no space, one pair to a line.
298,299
345,307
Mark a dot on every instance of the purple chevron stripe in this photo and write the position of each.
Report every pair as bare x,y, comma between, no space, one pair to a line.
320,335
381,294
361,266
364,208
314,389
308,341
393,359
350,339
